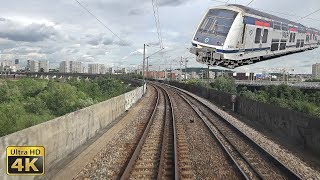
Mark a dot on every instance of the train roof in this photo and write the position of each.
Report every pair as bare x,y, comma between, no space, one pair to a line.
270,16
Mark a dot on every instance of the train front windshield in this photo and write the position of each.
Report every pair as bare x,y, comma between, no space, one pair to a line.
218,22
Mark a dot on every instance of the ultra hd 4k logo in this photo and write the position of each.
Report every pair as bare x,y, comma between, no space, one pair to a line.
25,160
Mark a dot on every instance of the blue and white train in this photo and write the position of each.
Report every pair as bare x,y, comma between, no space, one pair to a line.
234,35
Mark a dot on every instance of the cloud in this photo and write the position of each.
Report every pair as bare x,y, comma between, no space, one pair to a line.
137,52
107,41
136,12
122,43
171,2
26,33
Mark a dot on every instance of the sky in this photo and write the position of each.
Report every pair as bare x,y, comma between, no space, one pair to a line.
62,30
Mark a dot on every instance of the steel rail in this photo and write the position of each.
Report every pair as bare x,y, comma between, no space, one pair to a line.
223,146
135,155
175,149
286,170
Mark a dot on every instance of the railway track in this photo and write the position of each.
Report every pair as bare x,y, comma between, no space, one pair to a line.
250,158
155,156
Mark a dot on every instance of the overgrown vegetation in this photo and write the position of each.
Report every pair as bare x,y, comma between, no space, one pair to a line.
28,102
284,96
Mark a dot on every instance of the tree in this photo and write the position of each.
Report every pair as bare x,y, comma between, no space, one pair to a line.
226,84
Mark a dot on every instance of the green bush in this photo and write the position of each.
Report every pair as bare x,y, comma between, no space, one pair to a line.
225,83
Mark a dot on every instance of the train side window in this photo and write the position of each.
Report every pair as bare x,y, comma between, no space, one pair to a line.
302,43
298,43
275,45
307,38
294,37
265,36
283,44
290,39
258,36
285,27
277,25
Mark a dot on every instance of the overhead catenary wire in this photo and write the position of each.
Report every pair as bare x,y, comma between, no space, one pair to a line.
81,5
250,2
308,15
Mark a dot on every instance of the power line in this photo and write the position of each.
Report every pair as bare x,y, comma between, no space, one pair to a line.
155,52
287,14
250,2
308,15
98,20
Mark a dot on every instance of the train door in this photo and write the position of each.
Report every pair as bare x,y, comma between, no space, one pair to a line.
248,36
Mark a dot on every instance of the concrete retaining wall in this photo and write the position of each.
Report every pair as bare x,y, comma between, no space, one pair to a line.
63,135
297,128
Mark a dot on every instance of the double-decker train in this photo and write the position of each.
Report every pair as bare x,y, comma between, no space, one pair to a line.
234,35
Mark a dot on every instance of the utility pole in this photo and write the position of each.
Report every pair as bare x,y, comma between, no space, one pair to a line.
147,67
143,62
186,61
181,67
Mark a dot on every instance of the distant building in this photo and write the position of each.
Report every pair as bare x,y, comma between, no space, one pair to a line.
64,67
34,66
85,69
71,67
316,70
110,70
75,67
124,70
8,66
93,69
102,69
43,66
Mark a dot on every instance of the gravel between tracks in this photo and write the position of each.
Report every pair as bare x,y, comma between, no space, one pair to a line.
283,154
209,161
109,162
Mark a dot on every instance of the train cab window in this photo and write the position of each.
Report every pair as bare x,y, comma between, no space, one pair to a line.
275,45
307,38
298,43
218,22
258,36
294,37
265,36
